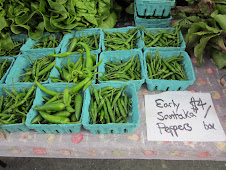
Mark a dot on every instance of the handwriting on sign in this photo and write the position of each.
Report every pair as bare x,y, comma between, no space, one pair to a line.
181,116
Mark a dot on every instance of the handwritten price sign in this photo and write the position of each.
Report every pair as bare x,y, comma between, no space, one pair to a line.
182,116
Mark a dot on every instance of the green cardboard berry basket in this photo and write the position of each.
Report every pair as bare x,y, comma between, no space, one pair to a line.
123,56
84,32
171,85
155,31
115,128
154,7
151,23
51,128
18,126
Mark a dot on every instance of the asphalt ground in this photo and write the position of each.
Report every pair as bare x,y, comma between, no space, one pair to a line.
106,164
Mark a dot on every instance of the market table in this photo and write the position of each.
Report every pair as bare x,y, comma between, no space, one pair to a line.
128,146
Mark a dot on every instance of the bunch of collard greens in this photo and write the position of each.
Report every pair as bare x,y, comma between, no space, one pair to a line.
35,17
204,25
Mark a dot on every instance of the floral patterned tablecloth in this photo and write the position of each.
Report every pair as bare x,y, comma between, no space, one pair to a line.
129,146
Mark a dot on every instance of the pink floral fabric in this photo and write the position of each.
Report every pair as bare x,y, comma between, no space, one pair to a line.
131,146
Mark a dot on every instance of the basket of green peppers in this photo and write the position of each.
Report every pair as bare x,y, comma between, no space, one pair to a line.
56,109
15,103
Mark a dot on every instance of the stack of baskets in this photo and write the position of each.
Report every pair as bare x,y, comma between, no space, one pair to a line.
153,13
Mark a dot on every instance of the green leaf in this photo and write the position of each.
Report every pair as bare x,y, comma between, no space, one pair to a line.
214,30
48,26
221,8
202,33
220,19
90,18
36,34
6,42
199,49
109,22
130,9
219,58
218,43
3,23
206,7
196,27
23,19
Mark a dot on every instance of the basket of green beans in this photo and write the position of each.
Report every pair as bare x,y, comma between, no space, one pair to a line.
30,68
125,38
92,37
167,39
56,109
122,67
111,108
168,71
15,103
6,64
49,43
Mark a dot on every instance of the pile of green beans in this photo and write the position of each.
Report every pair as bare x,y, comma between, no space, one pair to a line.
168,69
39,70
48,42
15,105
91,40
129,70
14,51
163,38
121,40
60,108
4,67
109,105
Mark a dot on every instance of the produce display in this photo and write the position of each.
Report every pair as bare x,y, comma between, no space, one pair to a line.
60,108
121,40
48,42
122,71
162,38
91,40
4,67
109,105
15,105
78,66
167,69
39,70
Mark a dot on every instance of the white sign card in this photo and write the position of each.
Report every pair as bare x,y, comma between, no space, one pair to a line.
182,116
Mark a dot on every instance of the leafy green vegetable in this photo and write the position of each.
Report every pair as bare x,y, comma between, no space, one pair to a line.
204,27
35,17
219,58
